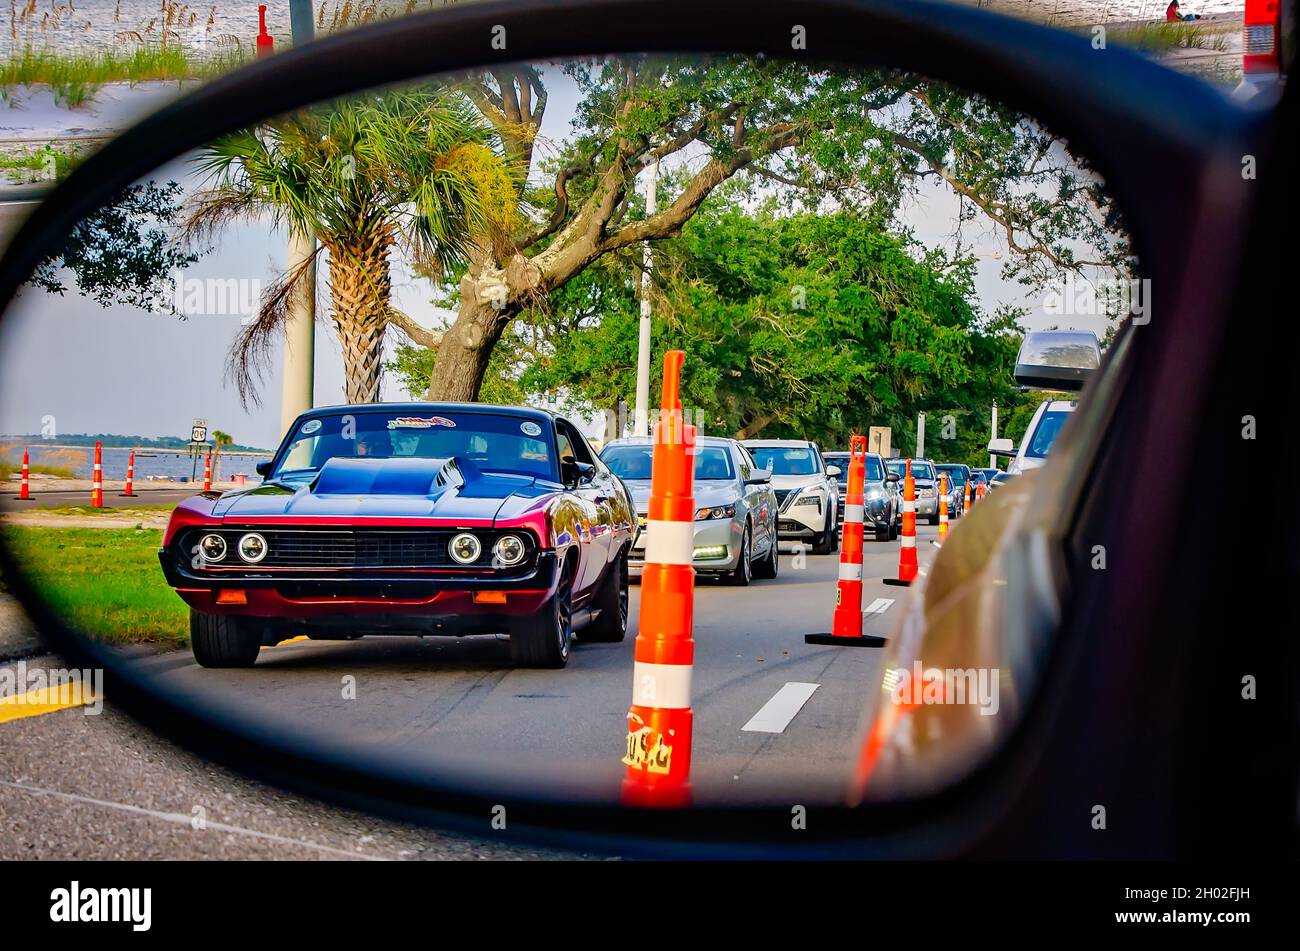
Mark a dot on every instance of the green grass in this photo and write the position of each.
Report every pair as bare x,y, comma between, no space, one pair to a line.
105,583
75,77
9,470
1165,37
123,512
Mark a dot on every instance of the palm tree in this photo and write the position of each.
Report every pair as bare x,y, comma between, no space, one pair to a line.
220,440
416,169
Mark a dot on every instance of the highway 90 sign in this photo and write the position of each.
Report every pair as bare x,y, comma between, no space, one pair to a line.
199,431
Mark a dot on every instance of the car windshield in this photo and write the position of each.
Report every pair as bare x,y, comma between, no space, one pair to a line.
1045,434
871,465
712,463
920,470
497,443
786,460
955,475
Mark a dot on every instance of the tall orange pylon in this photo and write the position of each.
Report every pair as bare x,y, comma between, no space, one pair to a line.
965,505
97,478
130,492
846,630
907,564
943,506
207,472
658,757
24,490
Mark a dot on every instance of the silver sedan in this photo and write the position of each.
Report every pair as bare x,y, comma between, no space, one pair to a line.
735,507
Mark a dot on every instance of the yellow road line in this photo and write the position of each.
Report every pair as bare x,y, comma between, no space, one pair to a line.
44,700
300,637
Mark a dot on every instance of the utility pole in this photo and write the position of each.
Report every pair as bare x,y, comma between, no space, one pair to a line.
299,376
920,435
641,414
993,460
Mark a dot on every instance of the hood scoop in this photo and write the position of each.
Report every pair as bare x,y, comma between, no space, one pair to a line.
413,476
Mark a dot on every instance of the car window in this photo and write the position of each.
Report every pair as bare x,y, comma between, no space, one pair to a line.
786,460
500,443
1045,434
712,463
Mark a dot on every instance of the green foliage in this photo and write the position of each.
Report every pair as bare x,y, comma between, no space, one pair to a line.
805,325
124,252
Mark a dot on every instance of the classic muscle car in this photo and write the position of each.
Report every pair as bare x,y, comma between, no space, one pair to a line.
416,518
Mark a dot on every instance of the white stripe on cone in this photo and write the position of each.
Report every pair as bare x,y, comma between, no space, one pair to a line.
850,571
908,541
853,513
666,686
669,543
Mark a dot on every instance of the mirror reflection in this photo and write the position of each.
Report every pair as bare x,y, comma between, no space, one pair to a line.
569,425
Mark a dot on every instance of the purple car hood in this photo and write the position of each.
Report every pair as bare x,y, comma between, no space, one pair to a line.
403,488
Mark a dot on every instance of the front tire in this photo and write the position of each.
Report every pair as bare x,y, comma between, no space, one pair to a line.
743,573
610,625
827,541
545,639
224,640
767,568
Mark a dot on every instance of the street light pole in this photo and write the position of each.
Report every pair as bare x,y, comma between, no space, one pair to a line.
299,376
641,414
920,435
993,460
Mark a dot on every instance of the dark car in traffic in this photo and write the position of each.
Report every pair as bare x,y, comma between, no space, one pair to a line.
882,504
418,518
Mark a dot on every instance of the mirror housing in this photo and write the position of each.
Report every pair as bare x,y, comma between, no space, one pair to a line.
577,473
1002,447
759,477
893,477
264,468
834,471
1057,359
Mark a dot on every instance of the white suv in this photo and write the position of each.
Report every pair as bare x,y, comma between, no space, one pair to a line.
807,493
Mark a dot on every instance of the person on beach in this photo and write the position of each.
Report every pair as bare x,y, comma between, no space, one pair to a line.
1173,15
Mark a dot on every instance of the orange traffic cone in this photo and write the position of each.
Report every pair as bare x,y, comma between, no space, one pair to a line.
966,500
847,626
981,490
907,564
24,491
658,757
207,472
943,507
130,476
97,478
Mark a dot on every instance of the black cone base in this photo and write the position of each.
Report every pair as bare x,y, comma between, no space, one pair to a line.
896,582
830,640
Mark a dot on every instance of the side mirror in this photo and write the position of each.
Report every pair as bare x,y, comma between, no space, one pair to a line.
893,477
1057,359
759,477
264,468
1002,447
834,471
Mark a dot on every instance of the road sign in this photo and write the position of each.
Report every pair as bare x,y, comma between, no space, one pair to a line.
199,431
878,440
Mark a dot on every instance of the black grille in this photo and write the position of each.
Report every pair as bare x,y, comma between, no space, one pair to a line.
782,495
353,548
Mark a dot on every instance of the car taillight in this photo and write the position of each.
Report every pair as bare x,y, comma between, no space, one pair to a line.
1259,50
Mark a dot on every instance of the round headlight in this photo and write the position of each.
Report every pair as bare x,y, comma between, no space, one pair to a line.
212,547
465,548
252,547
509,549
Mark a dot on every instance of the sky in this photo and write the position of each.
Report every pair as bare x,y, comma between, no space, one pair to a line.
68,365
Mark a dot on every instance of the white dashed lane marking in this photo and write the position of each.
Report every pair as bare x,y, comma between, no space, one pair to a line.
878,606
776,714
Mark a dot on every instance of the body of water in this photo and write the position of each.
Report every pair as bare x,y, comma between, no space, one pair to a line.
177,466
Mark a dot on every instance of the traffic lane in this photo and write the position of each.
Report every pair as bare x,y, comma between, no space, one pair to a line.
78,787
459,705
57,498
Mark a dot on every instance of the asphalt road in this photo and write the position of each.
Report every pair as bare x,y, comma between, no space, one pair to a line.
56,498
456,706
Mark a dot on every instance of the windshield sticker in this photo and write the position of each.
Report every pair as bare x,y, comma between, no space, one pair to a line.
310,427
419,422
530,428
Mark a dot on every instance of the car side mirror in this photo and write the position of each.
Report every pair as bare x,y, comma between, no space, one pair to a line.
759,477
892,477
834,471
264,468
1002,447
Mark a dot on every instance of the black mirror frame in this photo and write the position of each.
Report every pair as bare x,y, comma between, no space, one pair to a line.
1134,119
